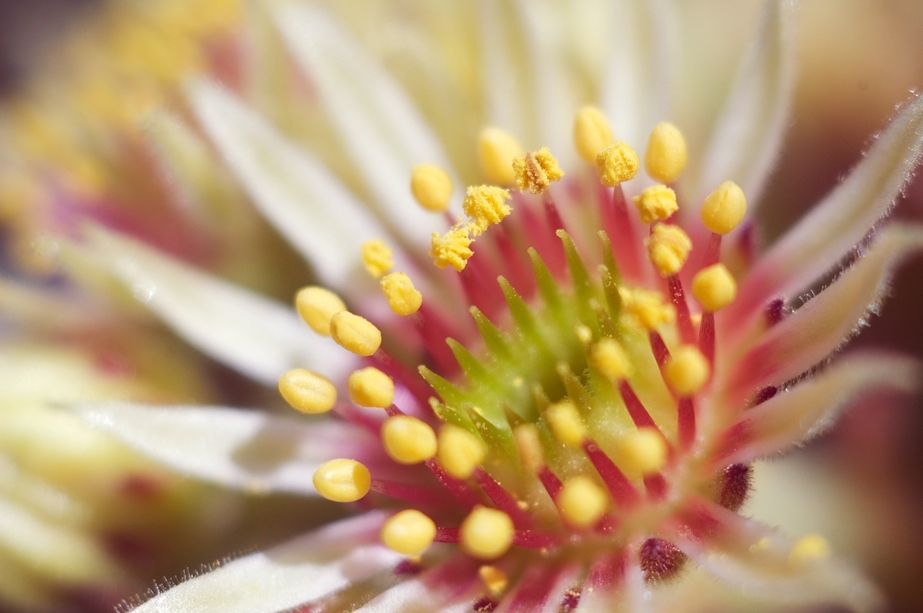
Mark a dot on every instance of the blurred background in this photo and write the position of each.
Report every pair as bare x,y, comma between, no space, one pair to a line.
858,59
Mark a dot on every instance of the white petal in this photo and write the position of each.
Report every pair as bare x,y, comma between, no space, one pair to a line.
793,417
824,323
443,587
847,213
378,125
749,132
298,196
252,334
247,450
639,80
286,576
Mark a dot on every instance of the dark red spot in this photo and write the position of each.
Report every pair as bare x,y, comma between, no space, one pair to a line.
129,548
484,605
765,394
407,568
660,560
735,486
143,488
571,600
775,311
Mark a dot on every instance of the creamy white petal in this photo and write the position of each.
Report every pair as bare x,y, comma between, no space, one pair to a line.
378,124
298,196
824,323
793,417
250,333
302,570
247,450
746,140
847,213
503,81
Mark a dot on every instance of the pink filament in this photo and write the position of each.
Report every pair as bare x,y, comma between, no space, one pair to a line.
686,425
621,489
635,407
618,225
504,500
678,296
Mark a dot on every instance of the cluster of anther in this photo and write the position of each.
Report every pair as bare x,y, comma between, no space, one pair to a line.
567,430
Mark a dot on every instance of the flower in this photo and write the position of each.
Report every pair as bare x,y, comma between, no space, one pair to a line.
599,432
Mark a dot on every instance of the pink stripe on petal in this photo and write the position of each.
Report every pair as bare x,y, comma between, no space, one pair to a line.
542,589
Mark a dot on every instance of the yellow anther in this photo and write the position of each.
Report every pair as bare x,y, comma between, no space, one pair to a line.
486,205
666,153
431,187
809,548
616,164
610,359
342,480
592,133
582,502
724,208
307,391
486,533
317,306
642,451
534,172
369,387
452,248
494,579
583,334
714,288
687,370
566,423
646,308
460,451
355,333
668,246
408,440
403,297
408,532
497,149
656,203
377,257
529,446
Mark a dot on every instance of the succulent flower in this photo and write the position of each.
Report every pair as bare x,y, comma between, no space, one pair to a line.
563,375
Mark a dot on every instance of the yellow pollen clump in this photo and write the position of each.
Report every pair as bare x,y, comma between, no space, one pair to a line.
497,149
687,370
307,391
646,308
431,187
666,153
643,451
656,203
377,257
610,359
724,208
566,423
355,333
408,440
582,502
317,306
460,451
403,298
592,133
809,548
342,480
534,172
494,579
486,205
529,446
668,246
452,248
486,533
369,387
408,532
714,288
616,164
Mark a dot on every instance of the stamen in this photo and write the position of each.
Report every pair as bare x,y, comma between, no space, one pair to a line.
642,452
403,298
342,480
431,187
460,451
408,440
616,164
592,133
369,387
714,288
636,410
582,502
621,489
646,308
656,203
808,549
408,532
307,391
535,172
666,153
377,257
355,333
485,205
529,446
565,423
683,318
724,208
686,370
668,247
486,533
609,358
494,579
502,498
317,306
497,149
452,248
